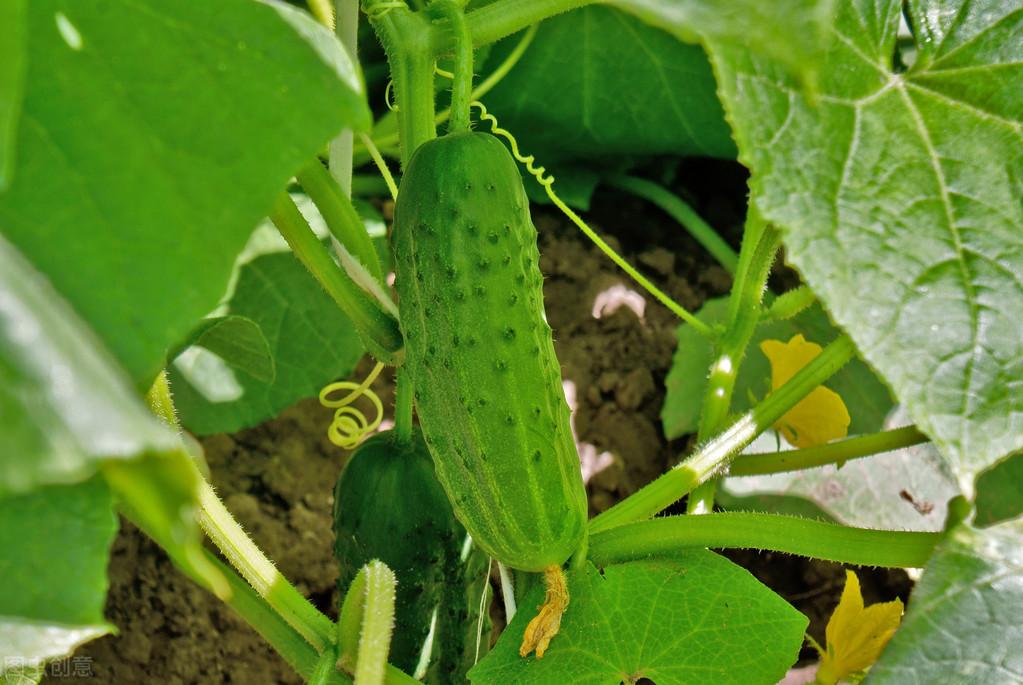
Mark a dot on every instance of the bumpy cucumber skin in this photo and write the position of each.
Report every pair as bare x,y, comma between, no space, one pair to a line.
487,382
388,505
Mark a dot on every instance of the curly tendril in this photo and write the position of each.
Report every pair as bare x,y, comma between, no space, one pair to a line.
350,425
547,181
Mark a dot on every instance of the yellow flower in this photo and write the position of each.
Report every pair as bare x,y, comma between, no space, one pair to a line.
856,636
819,417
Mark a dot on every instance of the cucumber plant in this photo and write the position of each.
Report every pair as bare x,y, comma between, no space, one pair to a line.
883,141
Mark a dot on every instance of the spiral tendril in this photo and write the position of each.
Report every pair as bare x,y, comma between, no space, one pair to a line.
547,181
350,424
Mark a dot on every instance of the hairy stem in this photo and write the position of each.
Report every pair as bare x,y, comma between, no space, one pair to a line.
342,220
679,210
831,453
377,327
254,610
713,456
228,536
461,86
382,131
815,539
503,18
239,549
759,245
346,28
377,625
791,303
407,40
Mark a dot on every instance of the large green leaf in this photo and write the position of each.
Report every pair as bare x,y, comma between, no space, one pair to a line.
1000,492
12,72
867,399
53,559
696,618
598,83
792,31
154,135
65,406
69,413
962,626
899,197
309,340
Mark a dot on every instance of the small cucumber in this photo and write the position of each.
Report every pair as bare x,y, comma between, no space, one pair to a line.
480,353
389,506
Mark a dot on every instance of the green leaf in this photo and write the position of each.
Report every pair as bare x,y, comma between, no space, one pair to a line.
239,342
962,626
906,489
693,619
154,136
64,405
53,558
310,340
12,74
598,83
1000,492
69,411
866,398
792,31
898,195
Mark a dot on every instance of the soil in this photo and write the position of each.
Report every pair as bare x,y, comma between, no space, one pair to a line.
278,478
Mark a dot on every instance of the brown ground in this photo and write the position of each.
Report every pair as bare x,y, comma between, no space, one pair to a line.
277,478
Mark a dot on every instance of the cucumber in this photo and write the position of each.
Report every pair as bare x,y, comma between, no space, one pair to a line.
487,383
389,506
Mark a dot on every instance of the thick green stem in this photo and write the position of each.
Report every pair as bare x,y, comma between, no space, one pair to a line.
227,535
713,456
377,625
254,610
791,303
805,537
407,39
831,453
342,220
377,327
503,18
325,671
759,245
461,86
383,133
680,211
259,571
346,28
404,392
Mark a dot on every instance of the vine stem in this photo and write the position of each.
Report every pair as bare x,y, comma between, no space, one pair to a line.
759,244
488,84
504,17
254,610
239,549
715,455
407,40
377,624
831,453
790,534
339,214
229,537
346,28
461,87
377,327
679,210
